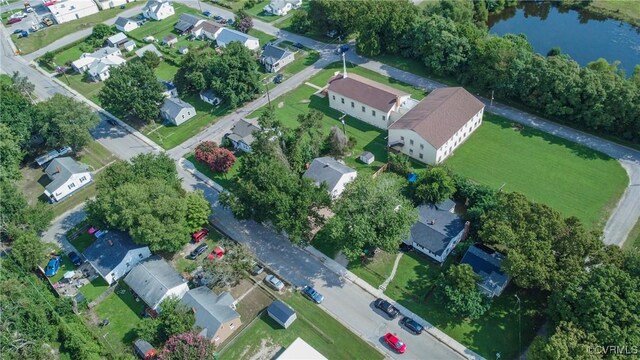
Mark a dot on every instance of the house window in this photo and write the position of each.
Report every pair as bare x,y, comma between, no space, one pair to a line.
140,255
83,179
363,109
402,138
465,134
411,141
231,326
353,105
333,96
373,113
421,146
410,151
71,186
384,118
342,100
439,157
183,116
420,155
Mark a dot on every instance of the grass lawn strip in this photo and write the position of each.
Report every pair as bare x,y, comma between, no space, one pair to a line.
377,270
123,313
263,37
95,288
313,325
48,35
570,178
224,180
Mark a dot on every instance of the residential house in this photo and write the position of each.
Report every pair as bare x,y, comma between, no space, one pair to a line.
67,176
275,58
215,314
282,7
226,35
117,39
126,24
158,9
98,63
154,280
210,97
281,313
170,40
486,263
437,231
177,111
129,45
374,103
331,172
187,22
110,4
114,254
241,135
170,89
436,126
207,30
298,350
68,10
140,52
367,157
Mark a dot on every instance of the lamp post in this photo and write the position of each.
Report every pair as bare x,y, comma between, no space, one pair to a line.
519,329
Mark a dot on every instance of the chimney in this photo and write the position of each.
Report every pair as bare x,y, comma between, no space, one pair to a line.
465,234
344,66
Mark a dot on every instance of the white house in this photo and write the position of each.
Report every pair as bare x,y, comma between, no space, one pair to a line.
67,176
117,39
158,9
68,10
437,231
210,97
241,135
98,63
110,4
226,35
207,30
114,254
126,25
374,103
300,349
434,128
129,45
154,280
282,7
170,90
170,40
275,58
331,172
177,111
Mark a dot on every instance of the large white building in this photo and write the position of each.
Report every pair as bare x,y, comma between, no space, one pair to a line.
367,100
68,10
158,9
434,128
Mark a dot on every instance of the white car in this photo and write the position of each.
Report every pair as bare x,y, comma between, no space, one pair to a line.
18,15
274,282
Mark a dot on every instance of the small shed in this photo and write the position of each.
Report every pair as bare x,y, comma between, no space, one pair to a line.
144,350
183,50
367,157
170,40
129,45
281,313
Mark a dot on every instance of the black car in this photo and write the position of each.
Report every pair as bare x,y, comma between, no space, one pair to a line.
390,310
75,258
412,325
278,79
198,251
298,45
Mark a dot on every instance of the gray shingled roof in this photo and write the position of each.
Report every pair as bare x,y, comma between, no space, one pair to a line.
486,263
149,47
366,91
211,310
227,35
152,278
280,310
122,21
243,131
272,54
435,228
186,22
105,256
440,115
327,170
60,170
173,106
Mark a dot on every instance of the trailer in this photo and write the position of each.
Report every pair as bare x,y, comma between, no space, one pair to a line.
43,159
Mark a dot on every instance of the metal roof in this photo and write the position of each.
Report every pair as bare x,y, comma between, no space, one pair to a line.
280,311
435,228
108,251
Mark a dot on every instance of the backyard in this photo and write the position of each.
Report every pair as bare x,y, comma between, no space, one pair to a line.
47,36
568,177
313,325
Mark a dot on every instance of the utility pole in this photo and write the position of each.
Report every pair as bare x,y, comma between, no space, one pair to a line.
491,97
519,329
266,84
344,130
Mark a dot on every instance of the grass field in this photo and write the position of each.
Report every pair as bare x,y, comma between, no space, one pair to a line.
258,12
46,36
626,10
376,271
633,241
263,37
166,71
88,89
313,325
123,312
92,290
568,177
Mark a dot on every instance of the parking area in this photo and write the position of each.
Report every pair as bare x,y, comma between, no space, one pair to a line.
30,20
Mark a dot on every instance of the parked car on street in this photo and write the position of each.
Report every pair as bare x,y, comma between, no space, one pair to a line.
200,234
312,294
229,21
395,343
53,266
256,269
412,325
75,258
390,310
342,49
207,13
274,282
17,31
217,17
198,251
278,79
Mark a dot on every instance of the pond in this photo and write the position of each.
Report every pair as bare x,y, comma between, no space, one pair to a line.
582,35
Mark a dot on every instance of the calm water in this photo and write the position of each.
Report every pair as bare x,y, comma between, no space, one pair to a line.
582,36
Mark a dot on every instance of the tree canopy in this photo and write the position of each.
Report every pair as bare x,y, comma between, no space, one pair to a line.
434,186
457,292
64,121
187,346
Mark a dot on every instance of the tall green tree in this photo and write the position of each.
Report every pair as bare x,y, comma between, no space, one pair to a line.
151,59
10,155
28,250
567,342
198,209
234,75
457,291
434,186
64,121
371,213
17,115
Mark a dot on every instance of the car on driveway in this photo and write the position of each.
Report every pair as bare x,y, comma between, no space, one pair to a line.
389,310
75,258
395,343
412,325
256,269
200,234
53,266
278,79
312,294
274,282
198,251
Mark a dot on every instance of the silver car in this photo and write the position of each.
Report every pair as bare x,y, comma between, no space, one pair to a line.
274,282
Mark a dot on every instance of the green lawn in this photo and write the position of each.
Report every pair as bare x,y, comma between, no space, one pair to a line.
166,71
88,89
625,10
224,180
95,155
377,270
568,177
633,241
82,241
65,265
76,199
92,290
263,37
170,136
47,36
123,313
313,325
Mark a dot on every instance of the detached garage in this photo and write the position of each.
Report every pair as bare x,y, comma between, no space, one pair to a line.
281,313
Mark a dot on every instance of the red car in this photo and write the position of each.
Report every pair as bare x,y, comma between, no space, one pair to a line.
14,20
395,343
200,234
216,254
